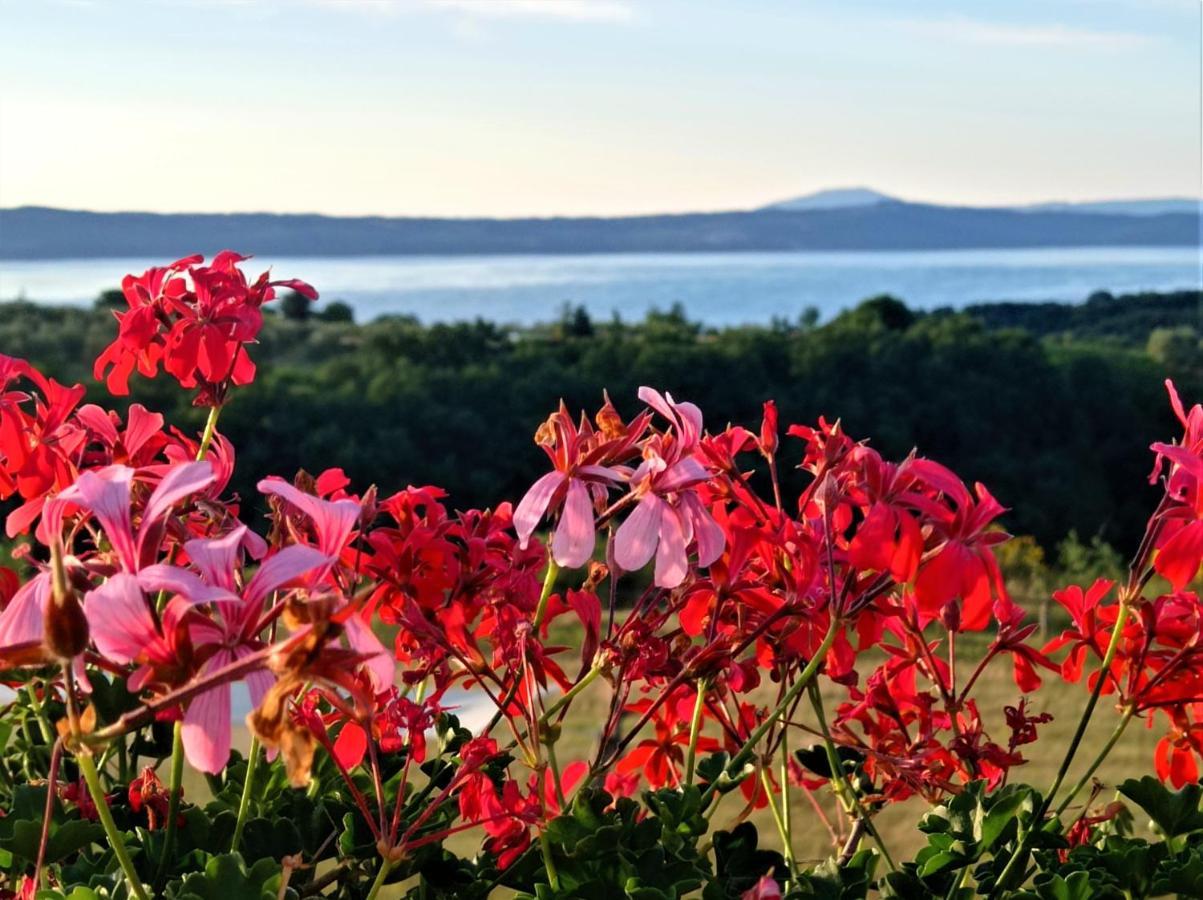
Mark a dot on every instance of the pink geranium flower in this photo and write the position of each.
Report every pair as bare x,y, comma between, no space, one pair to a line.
123,624
580,477
333,522
670,515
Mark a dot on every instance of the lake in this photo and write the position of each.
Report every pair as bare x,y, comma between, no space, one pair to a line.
717,288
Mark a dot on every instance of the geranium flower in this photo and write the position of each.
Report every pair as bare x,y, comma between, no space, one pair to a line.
195,320
581,476
1180,539
670,515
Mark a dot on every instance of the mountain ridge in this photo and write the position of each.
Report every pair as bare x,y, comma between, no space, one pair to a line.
50,233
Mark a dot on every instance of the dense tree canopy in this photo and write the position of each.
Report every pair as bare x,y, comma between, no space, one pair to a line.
1050,403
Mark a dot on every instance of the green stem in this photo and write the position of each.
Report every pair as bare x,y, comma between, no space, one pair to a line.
1098,760
244,803
549,581
695,729
567,697
386,866
175,789
840,782
782,831
1018,859
553,878
207,434
796,688
92,779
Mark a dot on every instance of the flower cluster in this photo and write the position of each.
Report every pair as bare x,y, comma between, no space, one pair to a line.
714,622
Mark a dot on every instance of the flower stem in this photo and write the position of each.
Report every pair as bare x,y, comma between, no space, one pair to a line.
207,434
1018,859
695,729
804,678
1098,760
92,779
549,581
174,789
841,783
386,866
553,878
779,821
244,803
569,695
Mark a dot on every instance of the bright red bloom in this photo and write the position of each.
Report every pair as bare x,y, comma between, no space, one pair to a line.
194,319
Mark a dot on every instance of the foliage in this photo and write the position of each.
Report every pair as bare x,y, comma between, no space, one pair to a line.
785,634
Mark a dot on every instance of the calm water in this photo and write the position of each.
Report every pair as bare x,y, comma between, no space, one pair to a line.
718,288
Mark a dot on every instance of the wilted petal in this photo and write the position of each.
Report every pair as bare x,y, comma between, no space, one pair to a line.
534,504
574,538
671,563
636,538
280,568
119,619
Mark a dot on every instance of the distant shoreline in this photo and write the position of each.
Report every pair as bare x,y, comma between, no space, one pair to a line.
31,233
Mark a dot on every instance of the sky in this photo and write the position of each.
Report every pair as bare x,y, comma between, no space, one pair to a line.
591,107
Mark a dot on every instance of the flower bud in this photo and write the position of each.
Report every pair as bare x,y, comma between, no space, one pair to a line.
63,621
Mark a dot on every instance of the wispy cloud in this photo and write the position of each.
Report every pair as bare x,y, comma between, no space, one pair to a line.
1006,34
564,10
612,11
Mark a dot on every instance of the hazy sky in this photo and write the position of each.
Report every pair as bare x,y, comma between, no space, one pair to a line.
486,107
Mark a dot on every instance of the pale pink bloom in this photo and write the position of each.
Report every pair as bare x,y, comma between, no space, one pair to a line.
105,493
333,523
578,480
670,515
231,634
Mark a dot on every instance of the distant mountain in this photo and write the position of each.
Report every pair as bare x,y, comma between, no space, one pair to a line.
1153,207
43,233
834,198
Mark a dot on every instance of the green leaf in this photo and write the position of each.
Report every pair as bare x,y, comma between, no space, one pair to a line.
1175,812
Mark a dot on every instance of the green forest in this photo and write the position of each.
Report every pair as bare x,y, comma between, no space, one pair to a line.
1047,401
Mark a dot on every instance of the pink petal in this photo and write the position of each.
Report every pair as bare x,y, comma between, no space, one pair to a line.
180,481
259,681
574,538
682,474
671,562
182,582
217,557
380,666
140,426
282,567
105,493
21,621
333,520
636,538
206,730
534,504
709,536
97,421
119,619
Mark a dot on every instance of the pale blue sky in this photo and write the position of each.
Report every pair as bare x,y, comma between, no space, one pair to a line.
485,107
